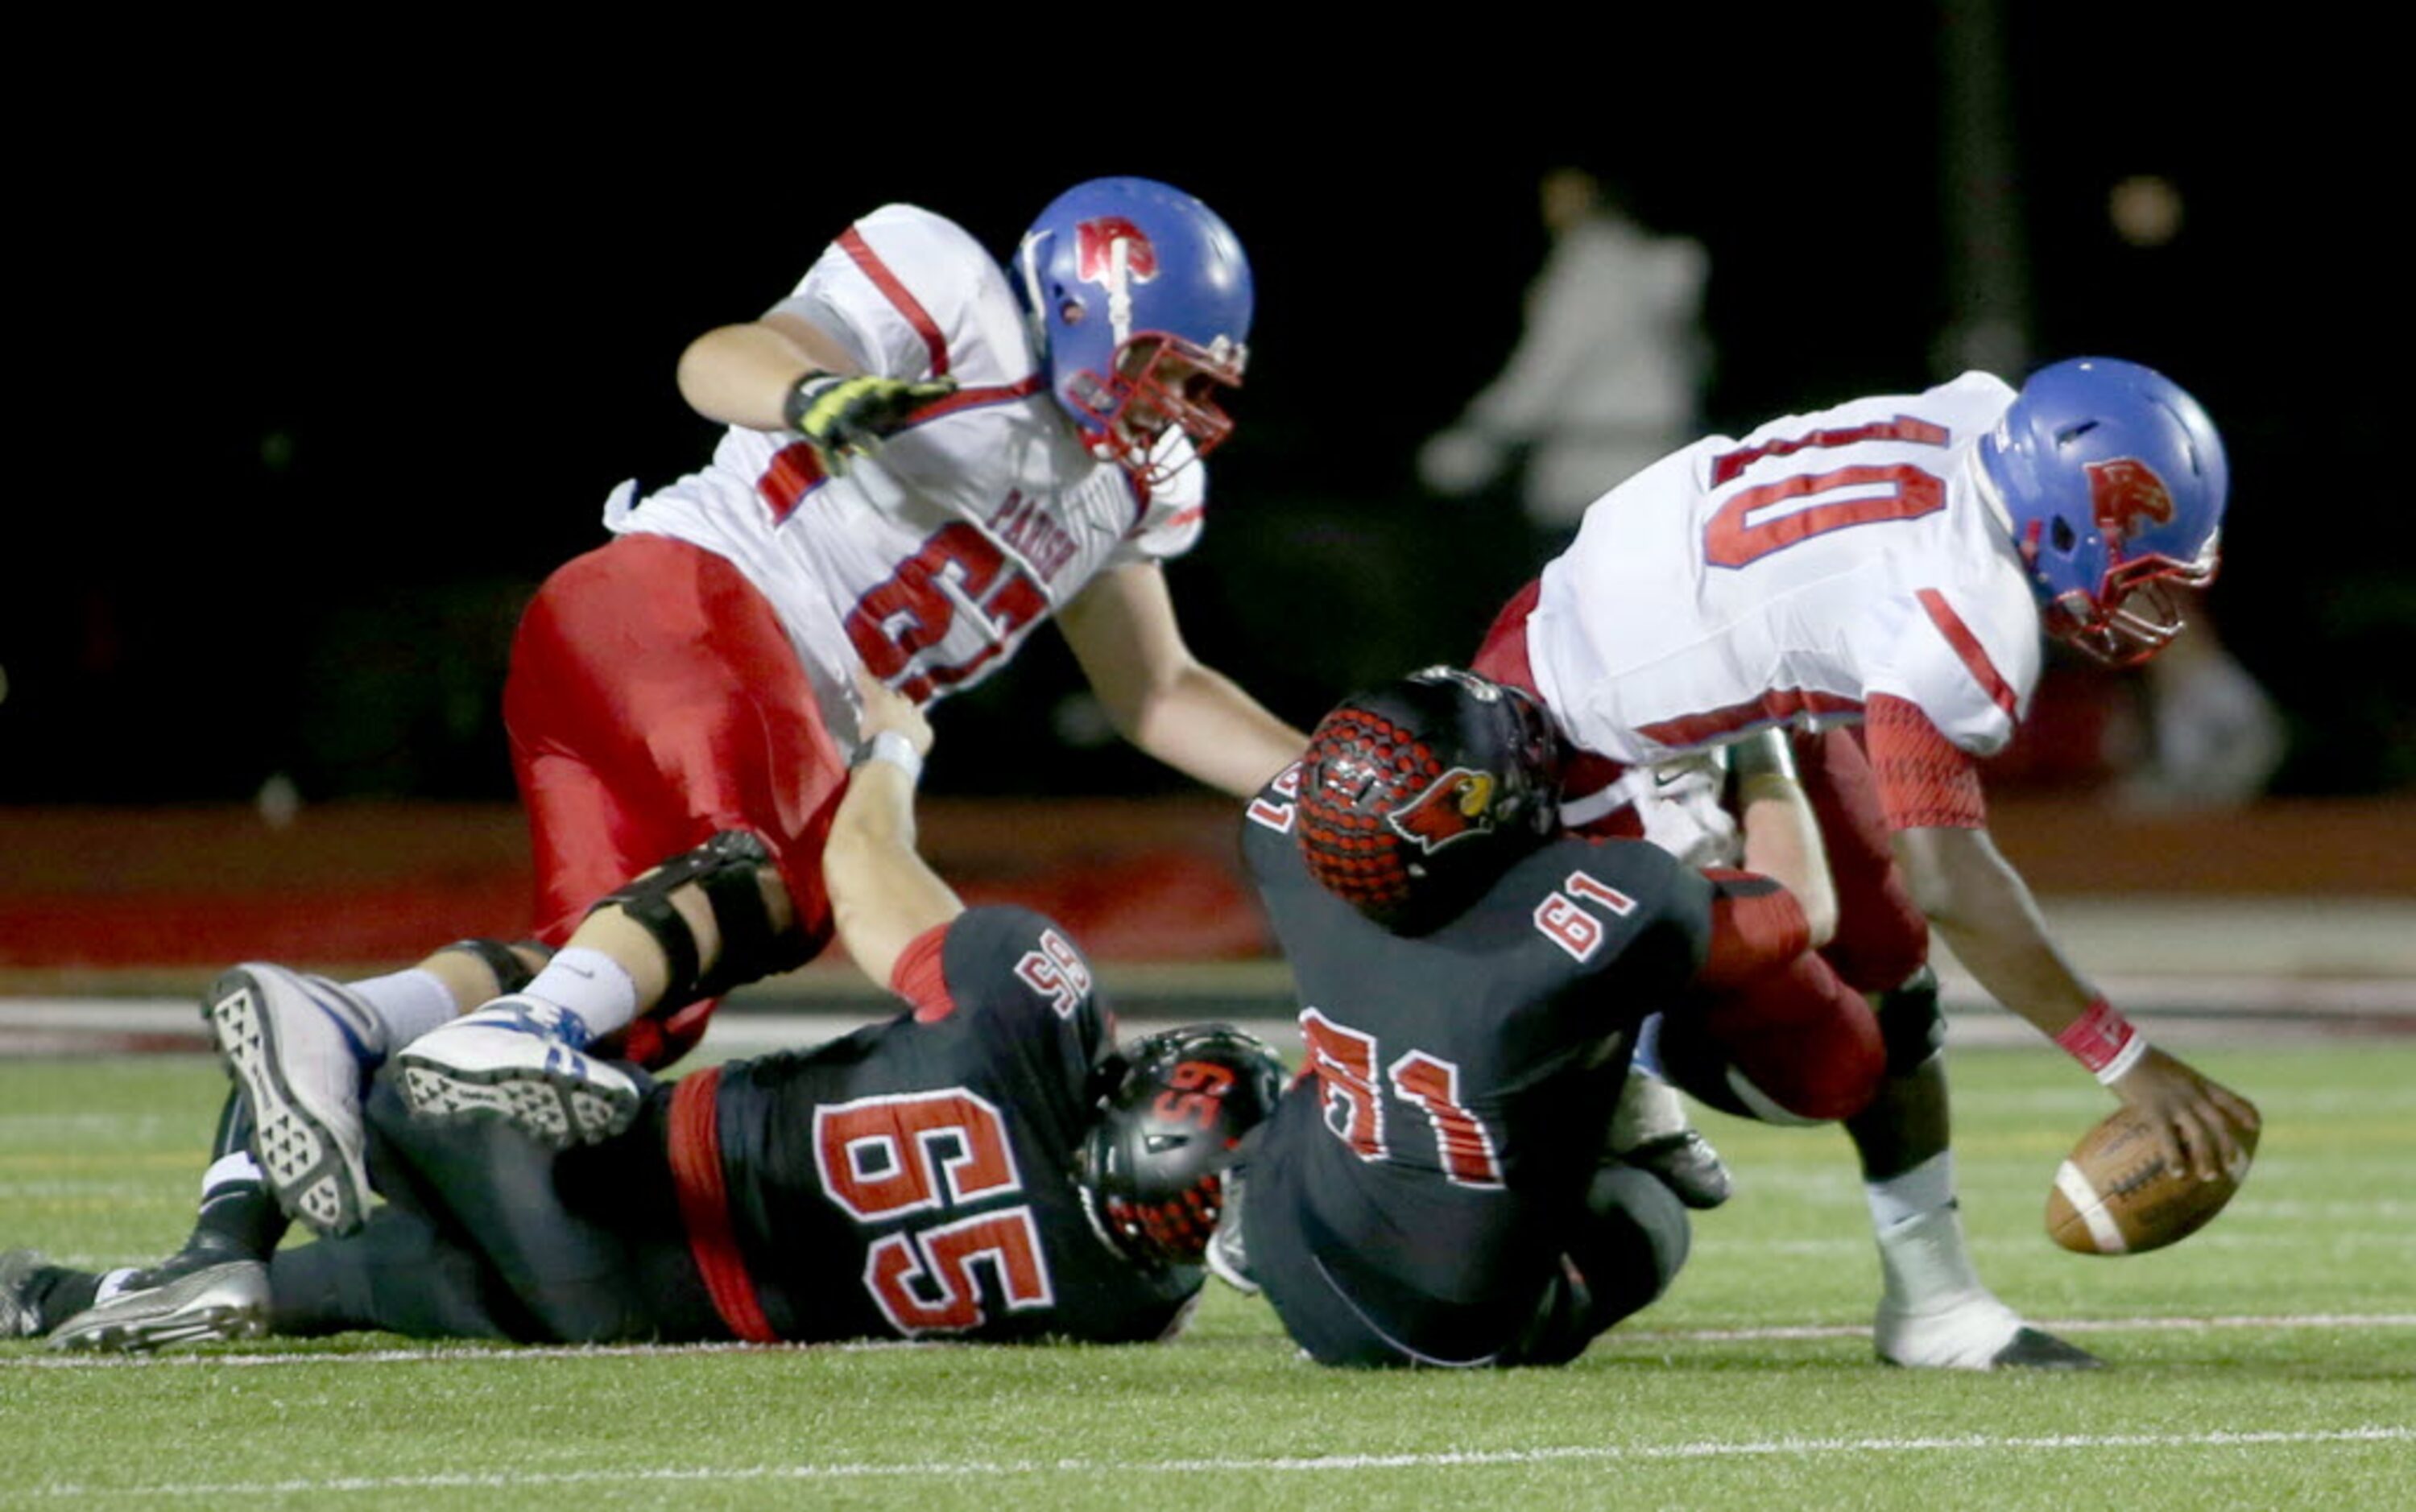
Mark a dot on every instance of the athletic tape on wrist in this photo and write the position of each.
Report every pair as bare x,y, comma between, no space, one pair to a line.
2104,1040
801,394
896,749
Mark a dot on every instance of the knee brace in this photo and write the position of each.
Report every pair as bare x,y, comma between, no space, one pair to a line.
511,973
1911,1025
727,869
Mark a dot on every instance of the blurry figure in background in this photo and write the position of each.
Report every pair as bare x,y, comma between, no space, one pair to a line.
1608,375
2212,736
1896,563
987,1166
926,453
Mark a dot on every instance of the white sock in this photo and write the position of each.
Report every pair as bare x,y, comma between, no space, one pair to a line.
412,1002
227,1169
112,1283
1923,1261
589,984
1900,1199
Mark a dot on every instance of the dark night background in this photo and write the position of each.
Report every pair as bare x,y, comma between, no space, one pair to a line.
319,369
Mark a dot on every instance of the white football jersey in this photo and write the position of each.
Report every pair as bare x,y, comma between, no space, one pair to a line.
930,562
1786,578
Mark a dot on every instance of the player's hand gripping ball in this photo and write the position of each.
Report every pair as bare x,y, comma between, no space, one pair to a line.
2115,1194
842,417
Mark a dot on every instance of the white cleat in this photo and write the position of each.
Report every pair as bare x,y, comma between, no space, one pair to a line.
519,1059
1973,1333
225,1301
1934,1313
301,1047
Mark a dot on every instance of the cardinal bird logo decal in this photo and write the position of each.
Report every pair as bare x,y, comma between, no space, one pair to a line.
1455,805
2122,491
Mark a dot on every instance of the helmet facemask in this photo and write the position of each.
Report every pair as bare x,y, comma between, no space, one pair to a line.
1162,384
1151,1171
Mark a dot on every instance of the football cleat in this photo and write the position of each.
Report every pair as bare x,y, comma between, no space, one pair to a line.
519,1059
1686,1165
222,1301
1934,1313
301,1047
1973,1333
1648,1131
20,1316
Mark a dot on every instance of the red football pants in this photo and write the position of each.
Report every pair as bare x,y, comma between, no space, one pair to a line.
653,701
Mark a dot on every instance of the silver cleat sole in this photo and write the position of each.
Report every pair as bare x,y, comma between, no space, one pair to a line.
315,1181
229,1301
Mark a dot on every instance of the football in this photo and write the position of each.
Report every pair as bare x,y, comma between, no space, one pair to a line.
2115,1194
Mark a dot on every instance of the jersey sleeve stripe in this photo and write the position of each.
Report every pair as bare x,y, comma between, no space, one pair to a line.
1967,646
921,977
974,398
694,1147
852,241
795,471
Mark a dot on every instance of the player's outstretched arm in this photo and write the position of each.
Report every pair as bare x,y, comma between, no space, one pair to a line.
743,374
1984,910
882,893
1160,698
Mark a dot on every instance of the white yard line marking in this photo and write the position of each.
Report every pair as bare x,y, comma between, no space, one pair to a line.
960,1468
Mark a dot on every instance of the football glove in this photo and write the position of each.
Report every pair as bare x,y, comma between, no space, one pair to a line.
847,417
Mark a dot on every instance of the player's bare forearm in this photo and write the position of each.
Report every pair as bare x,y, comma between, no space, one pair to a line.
1160,698
741,375
1202,724
882,893
1984,912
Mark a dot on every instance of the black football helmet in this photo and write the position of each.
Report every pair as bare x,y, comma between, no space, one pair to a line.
1414,797
1151,1169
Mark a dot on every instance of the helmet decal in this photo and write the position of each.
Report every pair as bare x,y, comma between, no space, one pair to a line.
1456,805
1419,793
1150,1169
1111,252
2123,489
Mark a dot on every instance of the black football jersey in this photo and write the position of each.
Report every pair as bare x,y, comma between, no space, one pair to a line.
1457,1087
916,1178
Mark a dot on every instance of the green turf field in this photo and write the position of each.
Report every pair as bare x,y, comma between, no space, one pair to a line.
2267,1361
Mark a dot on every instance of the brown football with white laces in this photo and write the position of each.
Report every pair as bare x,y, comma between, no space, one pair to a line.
2115,1194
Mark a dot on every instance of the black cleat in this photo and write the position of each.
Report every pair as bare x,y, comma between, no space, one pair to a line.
2034,1349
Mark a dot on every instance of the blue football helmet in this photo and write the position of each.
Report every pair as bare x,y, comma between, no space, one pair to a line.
1139,298
2114,482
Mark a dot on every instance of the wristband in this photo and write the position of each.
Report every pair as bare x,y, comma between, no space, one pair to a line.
896,749
801,394
2105,1042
